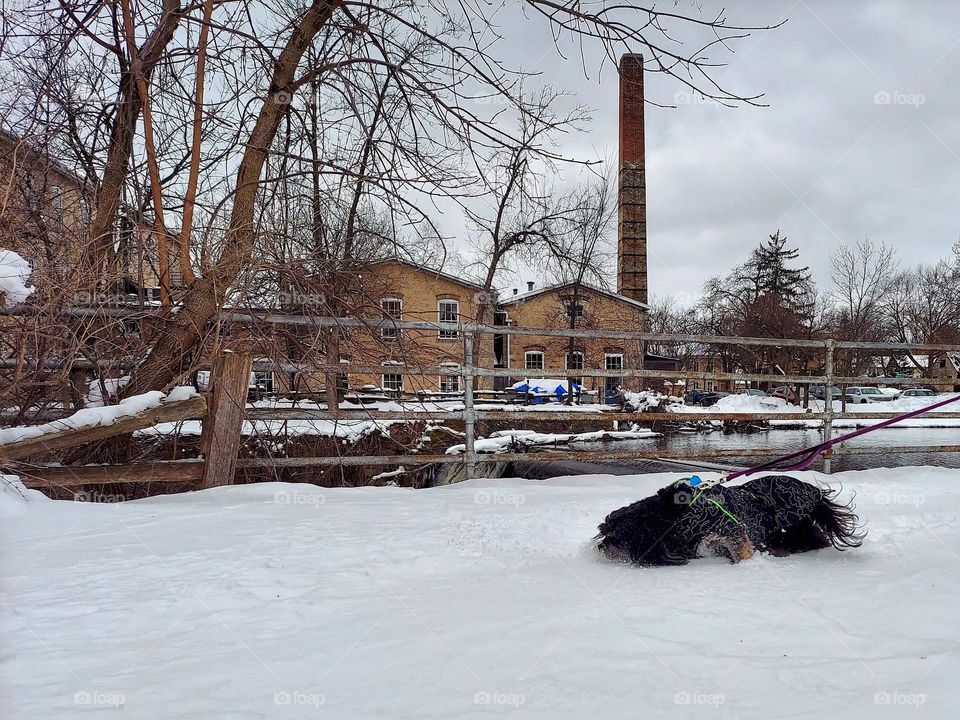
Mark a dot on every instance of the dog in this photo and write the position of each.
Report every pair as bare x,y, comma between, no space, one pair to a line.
776,514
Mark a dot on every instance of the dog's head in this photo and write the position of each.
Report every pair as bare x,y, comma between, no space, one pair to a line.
644,533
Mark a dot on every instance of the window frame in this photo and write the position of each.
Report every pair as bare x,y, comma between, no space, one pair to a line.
526,359
448,334
609,356
383,382
391,333
449,383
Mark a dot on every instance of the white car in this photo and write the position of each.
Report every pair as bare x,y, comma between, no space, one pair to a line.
918,392
867,395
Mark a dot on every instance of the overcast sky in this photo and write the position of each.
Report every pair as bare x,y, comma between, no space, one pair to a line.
861,136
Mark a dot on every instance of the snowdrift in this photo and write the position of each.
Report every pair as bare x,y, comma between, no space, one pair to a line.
469,601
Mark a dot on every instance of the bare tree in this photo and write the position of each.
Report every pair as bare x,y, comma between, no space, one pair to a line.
861,277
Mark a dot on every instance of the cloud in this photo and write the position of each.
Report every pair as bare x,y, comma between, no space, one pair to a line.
861,137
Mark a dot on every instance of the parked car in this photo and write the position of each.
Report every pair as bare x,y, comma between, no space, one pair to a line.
703,397
711,397
784,393
867,395
753,391
818,392
918,392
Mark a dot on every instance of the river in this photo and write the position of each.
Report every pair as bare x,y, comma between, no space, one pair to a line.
785,440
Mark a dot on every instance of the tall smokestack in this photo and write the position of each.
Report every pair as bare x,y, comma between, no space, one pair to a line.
632,198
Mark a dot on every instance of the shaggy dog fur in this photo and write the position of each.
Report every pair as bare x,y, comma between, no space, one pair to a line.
776,514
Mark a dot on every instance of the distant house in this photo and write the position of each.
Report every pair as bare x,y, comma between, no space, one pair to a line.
44,217
946,371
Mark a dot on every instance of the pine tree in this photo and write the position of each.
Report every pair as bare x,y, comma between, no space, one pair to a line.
768,273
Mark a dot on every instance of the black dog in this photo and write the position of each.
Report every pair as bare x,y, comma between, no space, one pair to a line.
775,514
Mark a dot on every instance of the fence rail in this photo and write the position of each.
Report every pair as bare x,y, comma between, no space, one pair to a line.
222,419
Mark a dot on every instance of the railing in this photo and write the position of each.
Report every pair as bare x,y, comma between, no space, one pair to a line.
469,372
229,405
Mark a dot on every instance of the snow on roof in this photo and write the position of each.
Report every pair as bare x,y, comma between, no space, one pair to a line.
560,286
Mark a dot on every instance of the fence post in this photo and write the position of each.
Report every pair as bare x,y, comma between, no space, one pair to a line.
469,416
828,405
220,438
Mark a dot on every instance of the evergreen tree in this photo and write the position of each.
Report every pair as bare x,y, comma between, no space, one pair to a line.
768,272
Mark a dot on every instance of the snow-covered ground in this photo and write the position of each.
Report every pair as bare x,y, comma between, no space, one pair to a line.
467,601
757,404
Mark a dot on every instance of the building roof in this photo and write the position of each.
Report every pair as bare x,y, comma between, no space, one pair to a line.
512,299
430,271
28,148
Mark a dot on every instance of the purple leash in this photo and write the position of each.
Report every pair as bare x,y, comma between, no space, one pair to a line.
806,457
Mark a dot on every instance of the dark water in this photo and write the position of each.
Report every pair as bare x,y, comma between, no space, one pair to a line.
785,440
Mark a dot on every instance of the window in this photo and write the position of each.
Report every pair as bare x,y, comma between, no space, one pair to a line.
611,385
613,362
392,310
533,360
448,311
393,382
450,383
574,310
575,362
262,381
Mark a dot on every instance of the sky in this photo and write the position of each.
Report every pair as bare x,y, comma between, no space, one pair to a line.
860,138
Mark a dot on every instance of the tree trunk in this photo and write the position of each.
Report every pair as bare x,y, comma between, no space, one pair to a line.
204,298
107,201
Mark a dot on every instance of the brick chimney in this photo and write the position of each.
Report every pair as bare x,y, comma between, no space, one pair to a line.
632,192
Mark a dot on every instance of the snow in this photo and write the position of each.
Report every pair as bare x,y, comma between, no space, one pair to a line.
757,404
501,440
14,497
14,273
94,397
468,601
350,430
95,416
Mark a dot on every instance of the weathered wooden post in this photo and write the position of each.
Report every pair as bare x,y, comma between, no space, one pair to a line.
828,405
220,438
469,415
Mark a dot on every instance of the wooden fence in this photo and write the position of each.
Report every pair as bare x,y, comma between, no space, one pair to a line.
223,410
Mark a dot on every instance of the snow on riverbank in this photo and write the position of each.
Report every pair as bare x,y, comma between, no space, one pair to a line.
502,440
350,430
468,601
759,404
